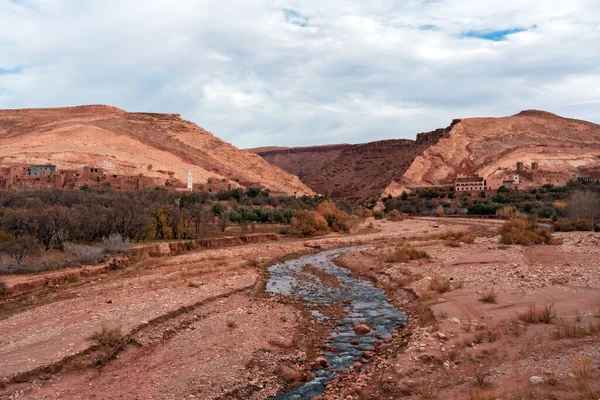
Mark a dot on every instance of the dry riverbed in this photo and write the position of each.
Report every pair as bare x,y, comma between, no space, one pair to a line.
200,325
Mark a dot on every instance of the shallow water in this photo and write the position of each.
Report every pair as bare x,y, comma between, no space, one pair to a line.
367,304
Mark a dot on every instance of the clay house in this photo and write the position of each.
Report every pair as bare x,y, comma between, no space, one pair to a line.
40,170
93,174
542,177
588,174
471,183
216,185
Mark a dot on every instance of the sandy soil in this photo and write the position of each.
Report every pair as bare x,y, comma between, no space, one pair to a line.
200,326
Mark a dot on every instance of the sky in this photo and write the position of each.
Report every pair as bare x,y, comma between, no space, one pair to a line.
305,72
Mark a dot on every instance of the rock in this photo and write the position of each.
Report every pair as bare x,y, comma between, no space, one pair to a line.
536,380
355,342
356,367
369,354
440,335
288,374
320,363
308,376
455,320
361,329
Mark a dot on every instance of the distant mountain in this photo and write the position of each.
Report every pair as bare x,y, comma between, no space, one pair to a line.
156,145
483,146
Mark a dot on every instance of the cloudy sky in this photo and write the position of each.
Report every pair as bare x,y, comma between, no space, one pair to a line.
303,72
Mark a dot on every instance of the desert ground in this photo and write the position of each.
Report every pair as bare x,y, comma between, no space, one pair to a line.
485,321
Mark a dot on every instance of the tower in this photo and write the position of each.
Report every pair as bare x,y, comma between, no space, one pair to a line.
190,184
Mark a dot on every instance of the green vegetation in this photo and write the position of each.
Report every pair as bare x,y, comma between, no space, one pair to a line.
576,201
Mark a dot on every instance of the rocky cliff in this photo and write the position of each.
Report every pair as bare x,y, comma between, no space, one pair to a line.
156,145
484,146
301,161
487,146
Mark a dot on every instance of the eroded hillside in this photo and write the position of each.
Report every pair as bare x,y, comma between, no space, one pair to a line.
156,145
484,146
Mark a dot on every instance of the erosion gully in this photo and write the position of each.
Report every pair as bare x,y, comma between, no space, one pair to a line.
362,302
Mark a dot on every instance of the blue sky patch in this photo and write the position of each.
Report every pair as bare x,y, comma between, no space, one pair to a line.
496,36
294,17
9,71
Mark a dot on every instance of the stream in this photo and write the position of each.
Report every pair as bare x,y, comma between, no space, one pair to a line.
362,302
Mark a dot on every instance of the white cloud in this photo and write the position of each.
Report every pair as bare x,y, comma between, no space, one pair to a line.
291,72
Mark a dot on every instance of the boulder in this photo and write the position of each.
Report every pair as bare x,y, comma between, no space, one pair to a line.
288,374
361,328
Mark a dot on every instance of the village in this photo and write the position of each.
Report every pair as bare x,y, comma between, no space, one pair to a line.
523,176
48,176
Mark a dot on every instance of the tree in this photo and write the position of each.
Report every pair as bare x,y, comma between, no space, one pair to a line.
218,209
223,222
19,248
583,205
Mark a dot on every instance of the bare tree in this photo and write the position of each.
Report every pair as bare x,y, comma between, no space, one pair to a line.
583,204
223,222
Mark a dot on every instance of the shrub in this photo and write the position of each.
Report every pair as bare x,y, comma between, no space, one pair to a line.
404,254
507,212
115,244
308,223
584,225
581,367
3,288
440,284
489,297
463,237
536,315
524,232
480,370
571,329
8,265
564,225
395,216
86,254
425,315
111,341
336,219
20,248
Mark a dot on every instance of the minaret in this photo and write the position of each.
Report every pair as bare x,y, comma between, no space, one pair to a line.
190,185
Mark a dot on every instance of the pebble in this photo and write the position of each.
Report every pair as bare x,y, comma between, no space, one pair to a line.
536,380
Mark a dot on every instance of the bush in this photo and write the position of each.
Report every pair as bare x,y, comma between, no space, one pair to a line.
524,232
86,254
463,237
336,219
489,297
584,225
440,284
507,212
395,216
308,223
563,225
403,254
536,315
115,244
111,341
3,288
19,248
